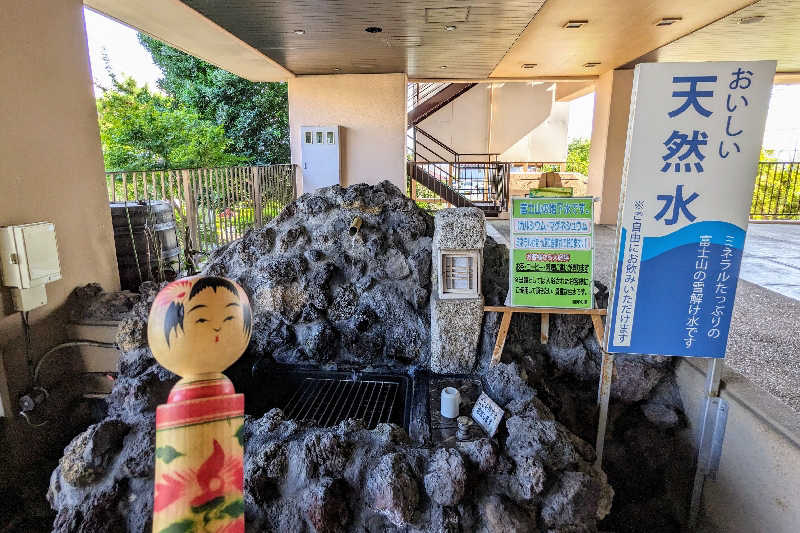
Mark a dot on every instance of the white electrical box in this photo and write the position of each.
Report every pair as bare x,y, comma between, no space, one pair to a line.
321,156
29,260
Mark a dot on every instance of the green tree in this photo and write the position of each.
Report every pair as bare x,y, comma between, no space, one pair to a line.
776,194
578,156
255,115
142,130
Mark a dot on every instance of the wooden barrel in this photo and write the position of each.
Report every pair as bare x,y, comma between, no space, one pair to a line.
147,244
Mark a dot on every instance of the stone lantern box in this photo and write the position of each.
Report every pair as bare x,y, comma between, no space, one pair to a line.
456,300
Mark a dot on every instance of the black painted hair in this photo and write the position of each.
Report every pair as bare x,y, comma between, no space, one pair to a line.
174,315
173,319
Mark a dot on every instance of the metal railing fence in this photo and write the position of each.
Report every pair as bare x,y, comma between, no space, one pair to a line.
777,191
212,206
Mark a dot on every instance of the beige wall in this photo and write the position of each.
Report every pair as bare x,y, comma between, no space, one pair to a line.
372,110
51,168
609,132
519,121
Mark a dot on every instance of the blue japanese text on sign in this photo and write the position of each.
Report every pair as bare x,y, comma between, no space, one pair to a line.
694,138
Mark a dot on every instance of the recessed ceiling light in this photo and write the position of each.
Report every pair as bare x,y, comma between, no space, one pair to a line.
443,66
751,20
668,21
373,29
336,69
529,65
450,27
591,64
300,32
573,24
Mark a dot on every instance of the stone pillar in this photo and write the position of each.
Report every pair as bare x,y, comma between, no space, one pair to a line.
457,309
612,104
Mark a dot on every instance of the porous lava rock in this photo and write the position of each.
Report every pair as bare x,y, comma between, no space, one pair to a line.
648,458
323,297
446,479
339,298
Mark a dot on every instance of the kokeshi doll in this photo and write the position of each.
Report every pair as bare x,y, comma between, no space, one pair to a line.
197,328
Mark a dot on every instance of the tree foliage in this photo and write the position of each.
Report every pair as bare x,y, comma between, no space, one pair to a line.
255,115
142,130
578,156
777,189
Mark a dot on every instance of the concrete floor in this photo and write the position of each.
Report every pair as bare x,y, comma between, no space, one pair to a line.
772,258
764,342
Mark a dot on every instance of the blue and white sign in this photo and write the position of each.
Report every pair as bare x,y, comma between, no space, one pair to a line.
694,138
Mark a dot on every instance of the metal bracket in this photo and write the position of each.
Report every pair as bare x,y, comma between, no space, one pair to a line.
710,436
713,435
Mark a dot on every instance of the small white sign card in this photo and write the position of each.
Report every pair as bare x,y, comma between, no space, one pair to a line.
487,414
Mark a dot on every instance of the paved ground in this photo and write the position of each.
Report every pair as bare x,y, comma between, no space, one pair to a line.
772,257
764,343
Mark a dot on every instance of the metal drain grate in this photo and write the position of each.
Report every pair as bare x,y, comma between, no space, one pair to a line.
329,401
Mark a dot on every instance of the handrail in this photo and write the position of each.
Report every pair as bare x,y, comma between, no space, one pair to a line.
776,195
426,148
481,183
492,156
436,141
421,92
108,172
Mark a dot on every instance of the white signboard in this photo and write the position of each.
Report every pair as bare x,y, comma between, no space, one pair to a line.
694,138
487,414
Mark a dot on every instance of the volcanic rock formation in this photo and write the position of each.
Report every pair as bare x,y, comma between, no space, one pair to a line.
325,298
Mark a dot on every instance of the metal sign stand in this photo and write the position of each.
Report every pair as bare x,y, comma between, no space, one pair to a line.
710,436
603,395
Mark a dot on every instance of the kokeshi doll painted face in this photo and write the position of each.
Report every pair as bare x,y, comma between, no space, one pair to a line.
199,325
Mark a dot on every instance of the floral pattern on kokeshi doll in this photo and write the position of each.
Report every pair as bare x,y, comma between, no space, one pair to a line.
198,327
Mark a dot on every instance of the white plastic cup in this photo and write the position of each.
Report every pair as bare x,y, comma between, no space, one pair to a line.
451,399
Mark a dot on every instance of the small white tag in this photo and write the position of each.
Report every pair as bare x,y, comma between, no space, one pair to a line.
487,414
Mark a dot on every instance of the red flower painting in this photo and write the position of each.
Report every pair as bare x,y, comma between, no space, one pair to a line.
217,476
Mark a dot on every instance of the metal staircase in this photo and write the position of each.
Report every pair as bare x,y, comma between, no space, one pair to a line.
424,99
461,180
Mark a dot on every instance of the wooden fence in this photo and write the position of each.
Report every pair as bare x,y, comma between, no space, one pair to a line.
212,206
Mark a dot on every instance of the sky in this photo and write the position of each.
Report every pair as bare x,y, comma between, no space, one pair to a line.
127,56
122,48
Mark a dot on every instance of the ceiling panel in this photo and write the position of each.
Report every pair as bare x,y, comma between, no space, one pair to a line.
413,40
776,36
617,32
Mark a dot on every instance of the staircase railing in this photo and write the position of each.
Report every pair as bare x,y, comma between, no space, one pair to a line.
479,179
419,92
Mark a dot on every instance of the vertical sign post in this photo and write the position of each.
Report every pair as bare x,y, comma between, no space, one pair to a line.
551,252
694,138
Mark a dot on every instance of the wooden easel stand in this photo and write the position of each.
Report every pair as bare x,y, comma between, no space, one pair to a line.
507,311
606,369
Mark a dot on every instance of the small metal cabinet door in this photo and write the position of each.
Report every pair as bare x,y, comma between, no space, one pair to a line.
321,149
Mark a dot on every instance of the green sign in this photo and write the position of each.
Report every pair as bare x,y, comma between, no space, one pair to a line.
551,252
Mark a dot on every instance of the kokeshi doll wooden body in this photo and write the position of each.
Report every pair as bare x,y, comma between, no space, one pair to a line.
198,327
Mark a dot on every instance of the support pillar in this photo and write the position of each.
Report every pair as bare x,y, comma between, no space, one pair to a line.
609,133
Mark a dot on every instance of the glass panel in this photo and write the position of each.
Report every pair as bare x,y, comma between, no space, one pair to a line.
330,137
319,137
309,138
